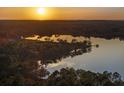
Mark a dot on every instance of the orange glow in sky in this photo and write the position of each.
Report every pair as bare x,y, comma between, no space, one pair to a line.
41,11
61,13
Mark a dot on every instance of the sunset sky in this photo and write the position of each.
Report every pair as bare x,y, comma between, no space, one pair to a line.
36,13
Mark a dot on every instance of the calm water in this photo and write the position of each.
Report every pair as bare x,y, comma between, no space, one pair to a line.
109,56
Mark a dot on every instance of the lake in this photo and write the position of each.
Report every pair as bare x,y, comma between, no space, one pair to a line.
65,52
108,56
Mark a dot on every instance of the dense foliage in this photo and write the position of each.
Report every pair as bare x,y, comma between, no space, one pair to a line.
10,30
24,62
19,65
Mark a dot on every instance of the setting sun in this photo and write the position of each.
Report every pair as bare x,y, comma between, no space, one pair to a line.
41,11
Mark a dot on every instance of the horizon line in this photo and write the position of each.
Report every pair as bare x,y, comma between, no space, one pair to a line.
63,20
